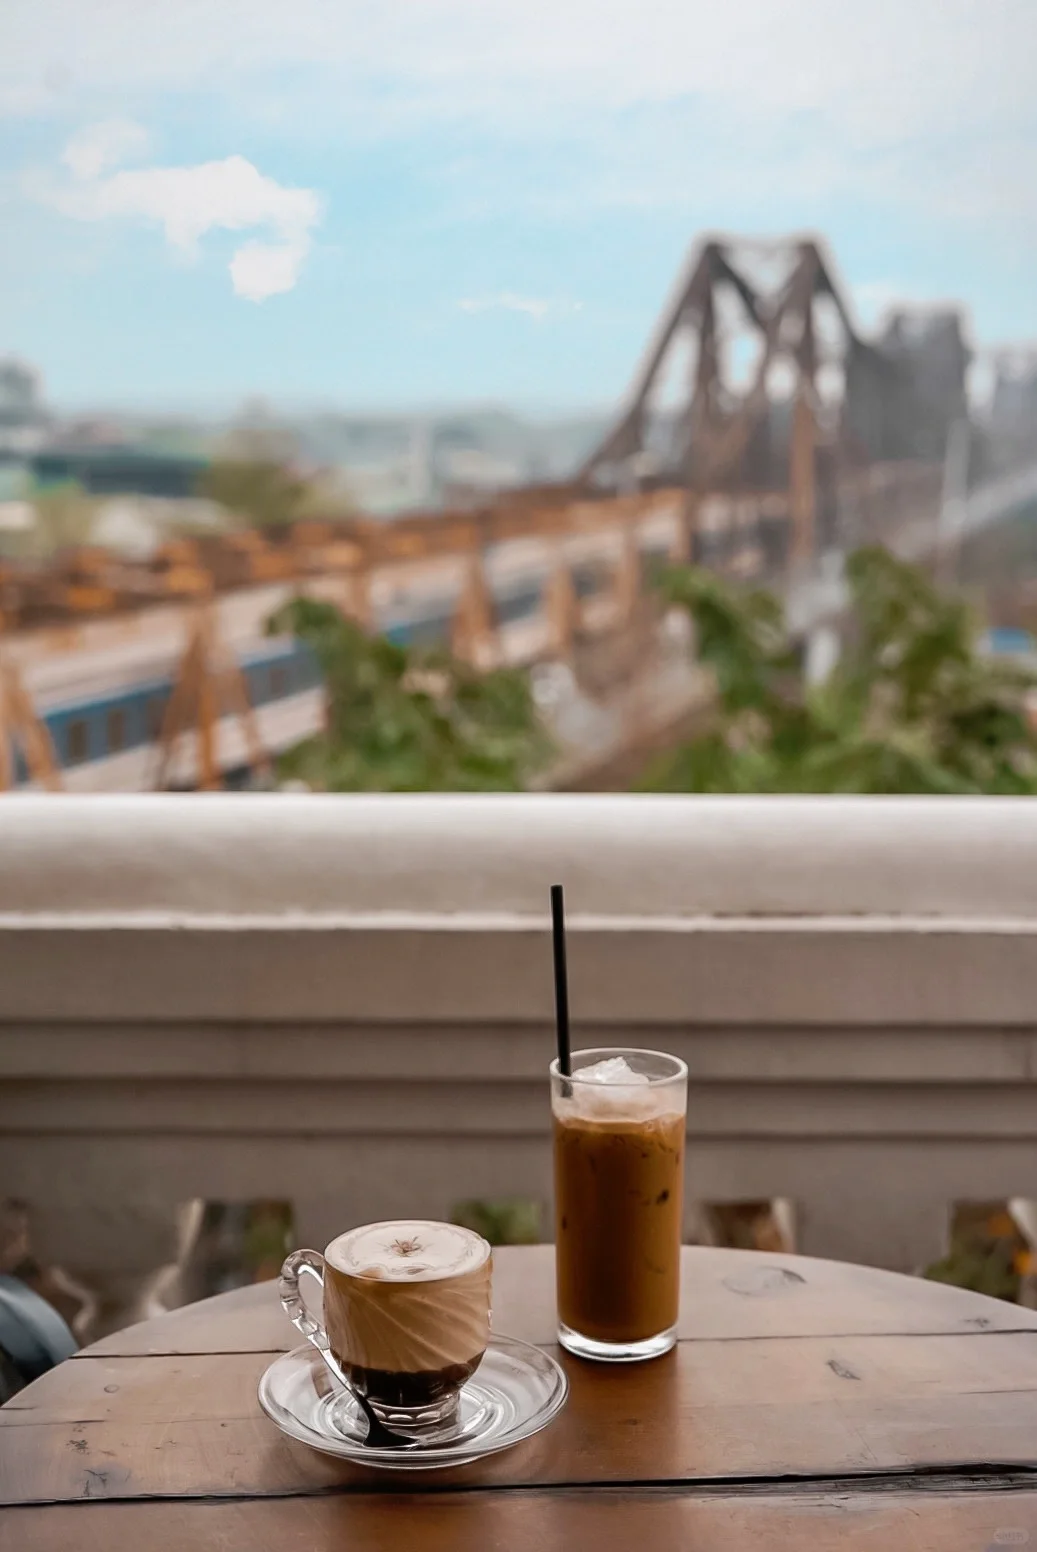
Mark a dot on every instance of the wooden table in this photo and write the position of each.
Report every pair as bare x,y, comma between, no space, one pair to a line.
809,1405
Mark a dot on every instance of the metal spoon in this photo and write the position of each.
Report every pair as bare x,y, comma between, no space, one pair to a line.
378,1436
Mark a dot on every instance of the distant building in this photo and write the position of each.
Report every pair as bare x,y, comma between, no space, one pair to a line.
1012,426
905,391
470,473
106,471
396,463
402,479
136,525
382,489
16,514
257,435
23,418
92,431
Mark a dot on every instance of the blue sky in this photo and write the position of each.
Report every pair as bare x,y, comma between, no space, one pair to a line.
427,201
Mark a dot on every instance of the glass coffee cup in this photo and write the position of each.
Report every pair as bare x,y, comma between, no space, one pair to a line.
619,1122
406,1316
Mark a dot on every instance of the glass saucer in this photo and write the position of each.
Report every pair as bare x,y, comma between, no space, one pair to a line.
516,1391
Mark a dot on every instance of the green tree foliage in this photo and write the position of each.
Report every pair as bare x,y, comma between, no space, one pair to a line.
912,706
403,720
501,1223
988,1269
987,1253
259,491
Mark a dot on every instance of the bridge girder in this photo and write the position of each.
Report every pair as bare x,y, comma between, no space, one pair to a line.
714,423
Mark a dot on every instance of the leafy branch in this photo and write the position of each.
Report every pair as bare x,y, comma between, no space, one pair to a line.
912,706
399,719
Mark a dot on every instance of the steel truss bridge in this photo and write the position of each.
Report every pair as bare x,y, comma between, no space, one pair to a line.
762,436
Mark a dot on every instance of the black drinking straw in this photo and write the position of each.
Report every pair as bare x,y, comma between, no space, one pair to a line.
565,1064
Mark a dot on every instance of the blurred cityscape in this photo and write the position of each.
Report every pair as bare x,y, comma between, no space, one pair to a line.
144,470
765,438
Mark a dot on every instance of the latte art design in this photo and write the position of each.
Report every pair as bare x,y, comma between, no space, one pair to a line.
407,1249
404,1247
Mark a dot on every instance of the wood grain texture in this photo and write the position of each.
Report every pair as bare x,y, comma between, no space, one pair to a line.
606,1520
726,1295
808,1405
710,1411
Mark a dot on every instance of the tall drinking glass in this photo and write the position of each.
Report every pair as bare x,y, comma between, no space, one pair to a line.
619,1124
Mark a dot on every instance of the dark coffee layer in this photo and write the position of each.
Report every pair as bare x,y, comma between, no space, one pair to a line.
397,1388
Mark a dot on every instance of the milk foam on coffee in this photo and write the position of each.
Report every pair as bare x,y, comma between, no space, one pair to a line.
610,1090
407,1251
409,1296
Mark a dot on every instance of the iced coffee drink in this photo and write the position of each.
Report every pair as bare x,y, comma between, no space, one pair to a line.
619,1124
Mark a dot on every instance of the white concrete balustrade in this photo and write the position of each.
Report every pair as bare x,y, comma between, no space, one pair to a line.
347,1002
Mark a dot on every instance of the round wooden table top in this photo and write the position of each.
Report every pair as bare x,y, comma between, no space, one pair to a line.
809,1405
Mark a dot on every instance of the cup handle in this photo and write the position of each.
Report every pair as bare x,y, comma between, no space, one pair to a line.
312,1263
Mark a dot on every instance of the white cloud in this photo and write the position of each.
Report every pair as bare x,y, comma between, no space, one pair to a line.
751,112
189,202
259,270
748,109
24,99
99,146
536,307
878,71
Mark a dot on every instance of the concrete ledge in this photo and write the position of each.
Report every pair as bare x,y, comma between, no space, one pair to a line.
820,972
348,1002
625,856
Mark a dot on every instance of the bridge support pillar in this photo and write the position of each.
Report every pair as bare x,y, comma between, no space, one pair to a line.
628,577
20,724
802,471
208,680
357,600
562,608
682,548
473,633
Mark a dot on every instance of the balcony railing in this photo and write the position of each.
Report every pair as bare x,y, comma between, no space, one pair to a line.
347,1003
